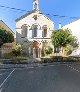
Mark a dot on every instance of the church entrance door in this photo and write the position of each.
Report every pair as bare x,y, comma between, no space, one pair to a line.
36,50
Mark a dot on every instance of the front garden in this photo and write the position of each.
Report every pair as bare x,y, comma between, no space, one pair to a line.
63,42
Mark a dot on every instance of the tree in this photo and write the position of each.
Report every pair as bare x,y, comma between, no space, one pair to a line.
61,38
5,37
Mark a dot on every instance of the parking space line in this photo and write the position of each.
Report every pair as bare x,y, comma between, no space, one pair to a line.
73,68
6,78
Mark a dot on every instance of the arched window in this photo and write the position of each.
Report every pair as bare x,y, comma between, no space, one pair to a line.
24,31
44,34
35,31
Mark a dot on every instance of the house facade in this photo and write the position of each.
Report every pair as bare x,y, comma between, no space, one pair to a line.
75,28
4,26
7,47
33,31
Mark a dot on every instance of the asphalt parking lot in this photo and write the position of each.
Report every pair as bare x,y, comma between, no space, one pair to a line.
51,78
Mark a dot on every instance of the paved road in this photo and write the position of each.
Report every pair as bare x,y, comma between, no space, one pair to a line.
52,78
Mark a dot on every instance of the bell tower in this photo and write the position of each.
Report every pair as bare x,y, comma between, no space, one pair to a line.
35,4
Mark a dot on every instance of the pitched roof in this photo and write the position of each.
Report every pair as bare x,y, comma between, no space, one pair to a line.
3,25
33,11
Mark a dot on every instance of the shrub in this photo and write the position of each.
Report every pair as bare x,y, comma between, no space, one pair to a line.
69,49
17,50
48,50
43,53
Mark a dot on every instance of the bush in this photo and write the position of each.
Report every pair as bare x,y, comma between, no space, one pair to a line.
43,53
69,49
48,50
17,50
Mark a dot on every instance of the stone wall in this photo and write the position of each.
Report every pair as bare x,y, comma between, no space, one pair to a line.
4,51
6,48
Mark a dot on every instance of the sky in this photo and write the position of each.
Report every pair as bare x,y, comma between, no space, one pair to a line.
69,8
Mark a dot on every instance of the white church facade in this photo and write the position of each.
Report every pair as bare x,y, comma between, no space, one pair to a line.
33,31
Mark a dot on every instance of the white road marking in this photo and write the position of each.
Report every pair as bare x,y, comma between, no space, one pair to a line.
1,90
6,78
73,68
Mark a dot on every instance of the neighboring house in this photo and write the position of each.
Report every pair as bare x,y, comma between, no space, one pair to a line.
7,47
33,31
4,26
75,28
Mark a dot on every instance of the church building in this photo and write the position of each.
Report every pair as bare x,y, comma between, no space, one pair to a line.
33,31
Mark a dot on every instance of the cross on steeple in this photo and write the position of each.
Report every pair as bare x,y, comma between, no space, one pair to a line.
35,4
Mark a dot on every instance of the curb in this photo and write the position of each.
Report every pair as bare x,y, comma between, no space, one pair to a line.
9,66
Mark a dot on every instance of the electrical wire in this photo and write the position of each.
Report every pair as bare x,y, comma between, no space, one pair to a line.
55,15
60,16
12,8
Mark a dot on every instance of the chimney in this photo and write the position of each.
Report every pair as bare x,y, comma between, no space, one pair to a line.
60,26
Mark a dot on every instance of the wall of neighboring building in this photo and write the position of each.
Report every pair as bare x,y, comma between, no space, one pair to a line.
5,49
4,26
75,28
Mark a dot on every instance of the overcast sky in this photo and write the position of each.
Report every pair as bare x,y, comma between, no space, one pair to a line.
52,7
